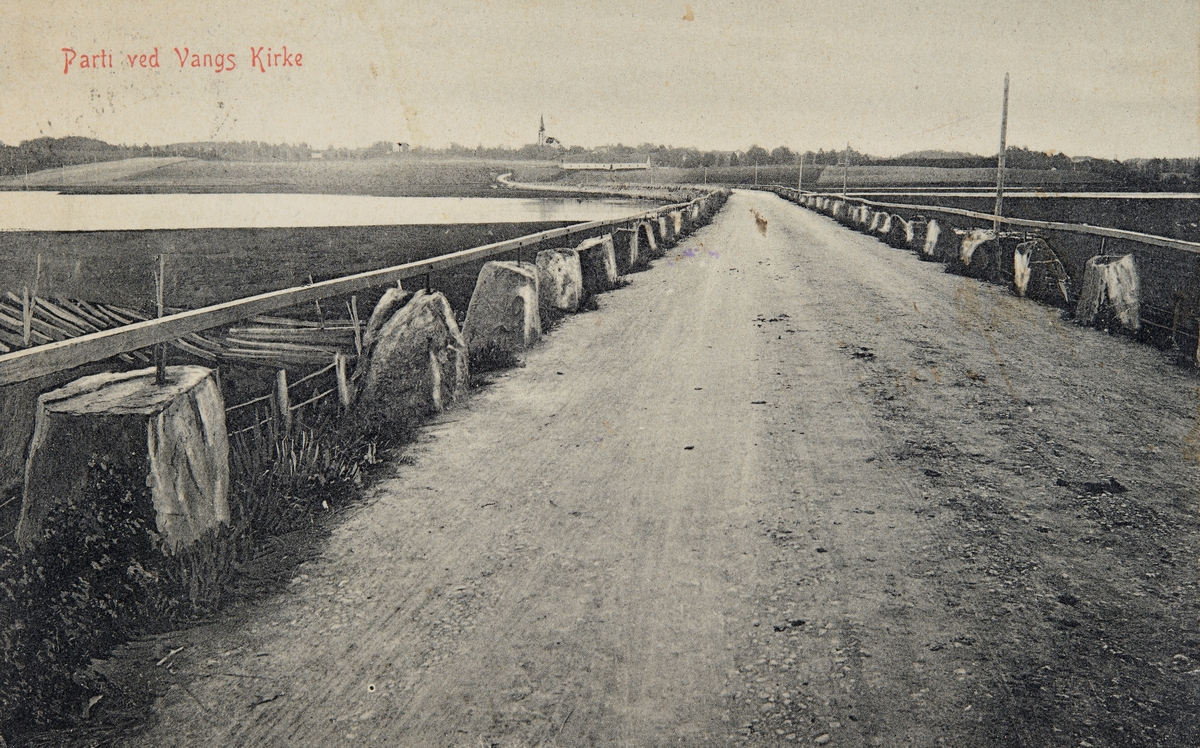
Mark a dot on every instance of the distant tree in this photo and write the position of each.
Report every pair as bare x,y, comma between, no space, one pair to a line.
757,155
783,155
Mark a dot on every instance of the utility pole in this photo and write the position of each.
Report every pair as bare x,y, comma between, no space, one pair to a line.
800,183
756,173
1000,160
845,168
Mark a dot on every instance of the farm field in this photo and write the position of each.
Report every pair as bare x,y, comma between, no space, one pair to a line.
825,177
407,176
889,176
83,175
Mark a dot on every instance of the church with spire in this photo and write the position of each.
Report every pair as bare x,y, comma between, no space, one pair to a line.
543,138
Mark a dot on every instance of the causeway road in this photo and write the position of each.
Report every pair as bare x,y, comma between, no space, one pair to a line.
788,486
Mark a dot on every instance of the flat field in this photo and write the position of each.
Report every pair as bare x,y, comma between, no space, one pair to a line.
395,176
825,177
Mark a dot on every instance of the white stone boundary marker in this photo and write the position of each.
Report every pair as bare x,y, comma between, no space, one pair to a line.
933,231
1113,277
973,240
695,212
899,231
634,239
392,300
418,361
837,209
676,222
174,432
1021,266
598,261
1038,273
560,278
504,308
650,241
664,233
625,241
906,231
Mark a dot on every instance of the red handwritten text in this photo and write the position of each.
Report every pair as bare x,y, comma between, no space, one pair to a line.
143,60
261,59
272,59
219,62
101,59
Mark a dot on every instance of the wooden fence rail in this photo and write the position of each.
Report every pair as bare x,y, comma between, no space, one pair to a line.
46,359
1076,228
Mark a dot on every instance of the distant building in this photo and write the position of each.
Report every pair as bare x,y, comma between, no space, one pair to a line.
566,166
400,148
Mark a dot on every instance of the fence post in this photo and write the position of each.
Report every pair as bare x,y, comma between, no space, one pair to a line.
358,340
343,383
320,314
29,301
26,315
160,350
283,403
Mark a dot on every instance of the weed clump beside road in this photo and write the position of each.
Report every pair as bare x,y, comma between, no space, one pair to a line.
98,576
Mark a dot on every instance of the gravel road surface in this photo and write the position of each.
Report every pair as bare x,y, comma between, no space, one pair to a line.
788,486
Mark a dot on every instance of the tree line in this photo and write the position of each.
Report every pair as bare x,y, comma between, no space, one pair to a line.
1136,174
52,153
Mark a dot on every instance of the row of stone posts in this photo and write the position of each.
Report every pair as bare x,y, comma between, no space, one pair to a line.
1110,287
414,360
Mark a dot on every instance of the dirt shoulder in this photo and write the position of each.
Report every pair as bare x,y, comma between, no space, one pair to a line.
788,486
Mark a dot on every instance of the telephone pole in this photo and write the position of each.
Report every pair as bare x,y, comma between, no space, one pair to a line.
1000,160
845,168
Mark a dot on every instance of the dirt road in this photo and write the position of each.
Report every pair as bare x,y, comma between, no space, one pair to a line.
790,486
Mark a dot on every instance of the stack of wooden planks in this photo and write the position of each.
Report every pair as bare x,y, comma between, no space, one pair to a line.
273,341
281,340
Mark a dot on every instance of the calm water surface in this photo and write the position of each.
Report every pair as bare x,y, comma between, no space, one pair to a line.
50,211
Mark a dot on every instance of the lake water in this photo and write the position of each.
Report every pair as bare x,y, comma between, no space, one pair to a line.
50,211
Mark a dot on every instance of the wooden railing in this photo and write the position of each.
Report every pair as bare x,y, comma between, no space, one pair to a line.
62,355
1077,228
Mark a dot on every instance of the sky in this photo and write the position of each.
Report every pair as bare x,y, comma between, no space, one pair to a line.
1088,77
